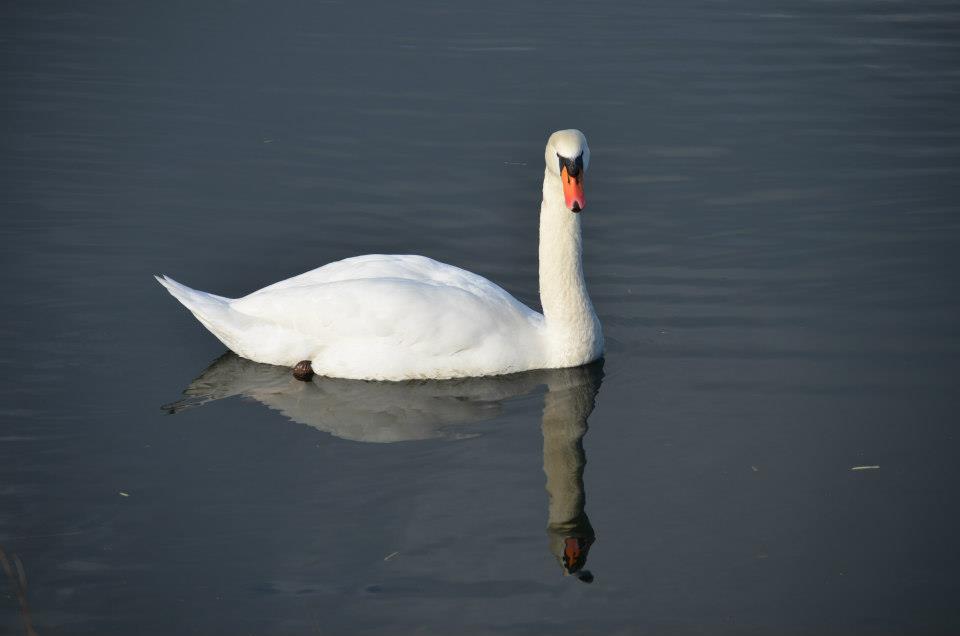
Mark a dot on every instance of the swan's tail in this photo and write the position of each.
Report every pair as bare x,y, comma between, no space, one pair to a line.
211,310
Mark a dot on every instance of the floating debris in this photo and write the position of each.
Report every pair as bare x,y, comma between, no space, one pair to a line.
865,468
123,494
391,555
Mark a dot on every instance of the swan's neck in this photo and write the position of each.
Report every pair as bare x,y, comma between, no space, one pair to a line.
573,330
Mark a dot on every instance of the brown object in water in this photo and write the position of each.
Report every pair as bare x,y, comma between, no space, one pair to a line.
303,371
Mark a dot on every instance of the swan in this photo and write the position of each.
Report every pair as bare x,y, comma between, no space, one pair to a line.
402,317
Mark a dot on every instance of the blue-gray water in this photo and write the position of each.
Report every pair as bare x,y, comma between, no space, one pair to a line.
771,241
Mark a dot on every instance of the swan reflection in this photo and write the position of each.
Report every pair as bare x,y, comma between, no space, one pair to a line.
383,412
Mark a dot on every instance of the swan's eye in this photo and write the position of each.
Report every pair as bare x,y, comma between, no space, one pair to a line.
573,166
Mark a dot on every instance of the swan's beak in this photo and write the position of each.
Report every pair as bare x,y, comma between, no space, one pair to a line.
573,189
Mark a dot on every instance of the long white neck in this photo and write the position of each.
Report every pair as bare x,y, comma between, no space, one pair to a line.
574,336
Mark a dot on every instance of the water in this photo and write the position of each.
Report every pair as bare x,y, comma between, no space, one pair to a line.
771,242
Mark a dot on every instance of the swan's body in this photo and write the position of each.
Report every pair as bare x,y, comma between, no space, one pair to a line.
379,317
390,317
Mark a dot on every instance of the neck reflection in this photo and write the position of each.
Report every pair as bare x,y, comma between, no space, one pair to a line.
567,405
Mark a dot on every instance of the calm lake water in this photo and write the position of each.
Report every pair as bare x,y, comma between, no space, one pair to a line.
772,243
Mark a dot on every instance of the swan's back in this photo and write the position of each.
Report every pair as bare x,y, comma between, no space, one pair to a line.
394,266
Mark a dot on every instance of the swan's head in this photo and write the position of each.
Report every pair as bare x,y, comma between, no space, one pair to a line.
568,156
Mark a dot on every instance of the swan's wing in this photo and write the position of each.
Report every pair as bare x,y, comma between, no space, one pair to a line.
381,295
392,317
396,266
429,317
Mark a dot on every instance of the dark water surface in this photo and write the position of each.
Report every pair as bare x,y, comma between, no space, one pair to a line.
772,242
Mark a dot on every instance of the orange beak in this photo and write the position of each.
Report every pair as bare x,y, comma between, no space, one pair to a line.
573,190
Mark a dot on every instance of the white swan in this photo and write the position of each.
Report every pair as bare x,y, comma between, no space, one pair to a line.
390,317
